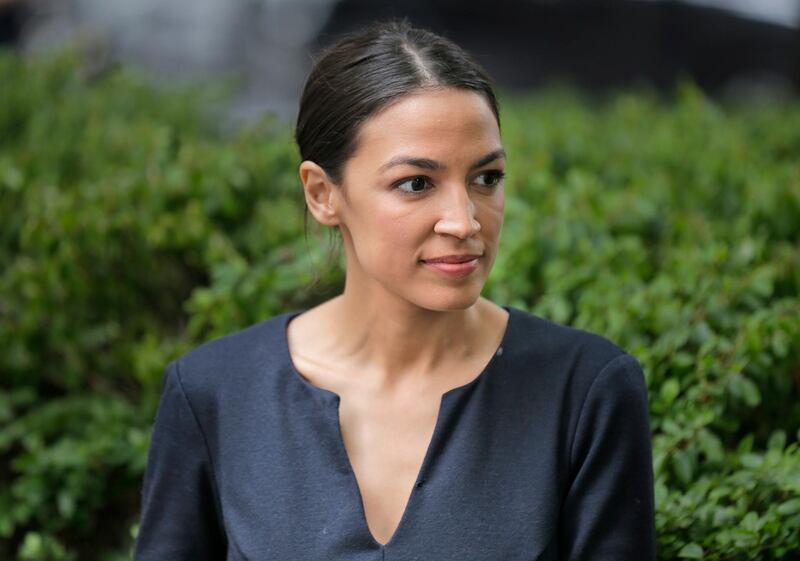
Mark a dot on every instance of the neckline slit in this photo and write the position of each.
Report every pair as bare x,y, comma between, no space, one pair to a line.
333,398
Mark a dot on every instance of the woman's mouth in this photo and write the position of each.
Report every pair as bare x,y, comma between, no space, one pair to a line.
457,270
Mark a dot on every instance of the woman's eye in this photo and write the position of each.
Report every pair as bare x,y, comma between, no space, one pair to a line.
420,183
491,178
414,185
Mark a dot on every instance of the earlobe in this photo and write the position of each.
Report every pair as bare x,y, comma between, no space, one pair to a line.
320,193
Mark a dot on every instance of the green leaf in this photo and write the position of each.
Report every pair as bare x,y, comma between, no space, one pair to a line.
683,464
790,507
751,461
780,344
752,522
746,444
751,393
670,390
691,551
745,389
711,445
777,440
682,359
66,504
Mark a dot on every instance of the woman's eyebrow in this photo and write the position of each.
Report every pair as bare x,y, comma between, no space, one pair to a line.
427,163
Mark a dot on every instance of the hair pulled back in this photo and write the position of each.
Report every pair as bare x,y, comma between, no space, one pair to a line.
367,70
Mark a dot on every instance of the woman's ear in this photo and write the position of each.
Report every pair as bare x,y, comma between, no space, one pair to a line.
320,192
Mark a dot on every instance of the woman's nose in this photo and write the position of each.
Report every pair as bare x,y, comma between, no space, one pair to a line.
457,216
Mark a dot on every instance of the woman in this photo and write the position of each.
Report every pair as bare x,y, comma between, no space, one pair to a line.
407,418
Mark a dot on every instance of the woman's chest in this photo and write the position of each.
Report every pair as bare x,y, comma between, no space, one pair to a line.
386,440
478,486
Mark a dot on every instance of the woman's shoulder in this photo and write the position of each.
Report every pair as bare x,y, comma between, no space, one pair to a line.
539,337
234,358
566,356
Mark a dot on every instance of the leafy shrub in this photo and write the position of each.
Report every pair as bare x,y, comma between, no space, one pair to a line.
131,230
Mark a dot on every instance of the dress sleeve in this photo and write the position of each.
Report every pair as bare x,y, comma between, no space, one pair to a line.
179,519
608,513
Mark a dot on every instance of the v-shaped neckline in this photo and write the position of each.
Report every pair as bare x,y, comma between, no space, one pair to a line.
333,401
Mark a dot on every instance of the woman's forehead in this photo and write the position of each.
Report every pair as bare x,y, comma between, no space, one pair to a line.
443,124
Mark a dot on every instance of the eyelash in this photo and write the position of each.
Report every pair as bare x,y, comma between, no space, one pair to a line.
497,174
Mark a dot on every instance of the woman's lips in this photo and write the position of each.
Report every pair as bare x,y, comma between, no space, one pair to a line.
455,269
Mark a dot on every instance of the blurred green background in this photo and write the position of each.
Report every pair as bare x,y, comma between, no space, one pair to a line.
132,228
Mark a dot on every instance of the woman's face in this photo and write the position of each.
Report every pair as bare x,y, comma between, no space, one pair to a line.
424,182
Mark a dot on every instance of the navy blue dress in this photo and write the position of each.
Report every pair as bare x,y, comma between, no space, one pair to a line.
545,455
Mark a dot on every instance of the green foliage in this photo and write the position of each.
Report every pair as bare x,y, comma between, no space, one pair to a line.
131,230
674,229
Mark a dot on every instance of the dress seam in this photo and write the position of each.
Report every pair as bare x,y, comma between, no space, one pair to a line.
599,375
213,478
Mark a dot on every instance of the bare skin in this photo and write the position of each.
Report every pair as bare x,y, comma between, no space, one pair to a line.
402,334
